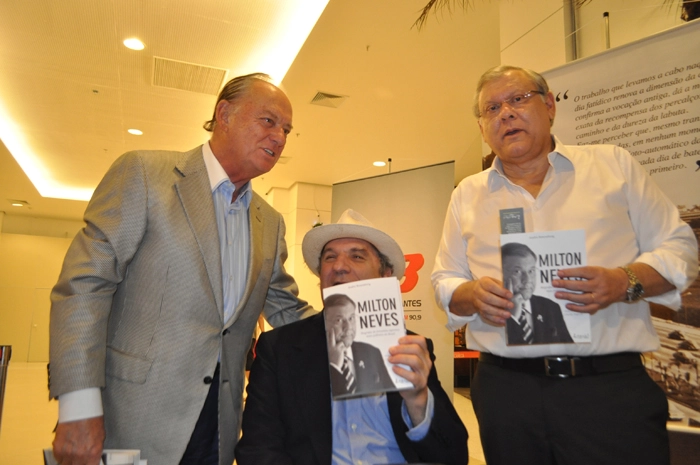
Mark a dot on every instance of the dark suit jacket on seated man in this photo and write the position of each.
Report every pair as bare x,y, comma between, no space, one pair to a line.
290,417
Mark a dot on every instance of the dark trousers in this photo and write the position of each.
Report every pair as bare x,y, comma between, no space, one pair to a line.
203,448
614,418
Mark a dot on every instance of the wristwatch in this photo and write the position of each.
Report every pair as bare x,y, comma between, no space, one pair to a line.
635,290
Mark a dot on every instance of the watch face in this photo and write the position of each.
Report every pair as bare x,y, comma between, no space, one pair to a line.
634,293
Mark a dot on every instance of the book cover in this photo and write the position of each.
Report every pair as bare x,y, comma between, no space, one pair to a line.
109,457
530,262
363,319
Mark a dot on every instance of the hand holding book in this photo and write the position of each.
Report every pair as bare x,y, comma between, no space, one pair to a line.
412,352
363,320
590,288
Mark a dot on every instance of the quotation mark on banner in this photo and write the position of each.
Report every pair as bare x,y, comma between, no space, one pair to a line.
564,97
415,262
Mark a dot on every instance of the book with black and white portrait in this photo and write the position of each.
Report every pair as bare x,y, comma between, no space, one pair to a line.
530,262
363,319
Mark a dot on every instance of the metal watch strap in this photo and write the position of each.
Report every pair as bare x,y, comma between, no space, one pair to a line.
635,290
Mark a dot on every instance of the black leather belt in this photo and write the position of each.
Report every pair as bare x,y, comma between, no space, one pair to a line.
567,366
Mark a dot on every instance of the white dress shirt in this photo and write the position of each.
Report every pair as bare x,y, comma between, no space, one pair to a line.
600,189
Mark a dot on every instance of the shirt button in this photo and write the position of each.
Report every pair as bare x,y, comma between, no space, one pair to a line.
354,427
208,379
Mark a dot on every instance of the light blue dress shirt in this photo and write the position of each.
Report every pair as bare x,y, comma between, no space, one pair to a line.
234,231
362,432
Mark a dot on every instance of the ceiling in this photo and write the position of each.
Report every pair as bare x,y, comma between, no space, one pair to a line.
73,90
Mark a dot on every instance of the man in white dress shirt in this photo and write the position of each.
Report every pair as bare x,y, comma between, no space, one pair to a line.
574,403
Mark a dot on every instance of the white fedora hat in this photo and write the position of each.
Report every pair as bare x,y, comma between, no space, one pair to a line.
351,225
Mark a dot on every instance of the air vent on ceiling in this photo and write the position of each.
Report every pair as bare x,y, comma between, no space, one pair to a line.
187,76
328,100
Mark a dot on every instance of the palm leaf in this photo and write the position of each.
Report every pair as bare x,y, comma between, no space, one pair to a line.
437,5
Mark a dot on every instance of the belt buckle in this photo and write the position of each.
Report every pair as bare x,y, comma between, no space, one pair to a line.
560,362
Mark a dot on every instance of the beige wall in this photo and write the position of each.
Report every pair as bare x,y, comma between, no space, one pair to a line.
29,267
302,205
532,34
630,20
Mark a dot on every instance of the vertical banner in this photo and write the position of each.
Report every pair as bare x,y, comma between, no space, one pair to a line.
645,97
410,206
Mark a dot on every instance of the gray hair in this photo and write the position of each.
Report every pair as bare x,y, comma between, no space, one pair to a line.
234,89
498,72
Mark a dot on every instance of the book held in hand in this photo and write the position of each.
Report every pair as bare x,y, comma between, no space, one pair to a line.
363,319
530,263
109,457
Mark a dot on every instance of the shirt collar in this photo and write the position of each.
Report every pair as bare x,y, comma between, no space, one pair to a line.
559,159
214,169
217,175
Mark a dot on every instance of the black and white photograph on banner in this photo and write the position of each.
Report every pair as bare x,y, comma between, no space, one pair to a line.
645,97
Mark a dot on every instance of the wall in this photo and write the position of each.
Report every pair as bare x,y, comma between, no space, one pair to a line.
31,255
532,33
535,34
302,205
630,20
29,267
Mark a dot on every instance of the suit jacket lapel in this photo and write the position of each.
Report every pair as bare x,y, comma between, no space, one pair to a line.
194,191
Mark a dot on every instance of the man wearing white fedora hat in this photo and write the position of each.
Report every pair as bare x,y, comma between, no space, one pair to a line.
290,416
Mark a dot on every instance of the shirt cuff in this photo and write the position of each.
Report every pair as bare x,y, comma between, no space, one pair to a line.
80,405
672,298
417,433
454,322
444,288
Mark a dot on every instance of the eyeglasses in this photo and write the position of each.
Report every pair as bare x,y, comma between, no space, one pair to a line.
492,109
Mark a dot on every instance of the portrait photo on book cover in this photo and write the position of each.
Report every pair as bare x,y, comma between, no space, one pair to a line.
528,265
356,367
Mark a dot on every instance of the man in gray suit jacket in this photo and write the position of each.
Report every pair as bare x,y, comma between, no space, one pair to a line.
155,307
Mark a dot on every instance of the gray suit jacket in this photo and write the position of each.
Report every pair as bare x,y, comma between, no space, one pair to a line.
138,307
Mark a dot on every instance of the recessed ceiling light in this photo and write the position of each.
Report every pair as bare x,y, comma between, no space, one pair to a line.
135,132
133,44
17,205
379,163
